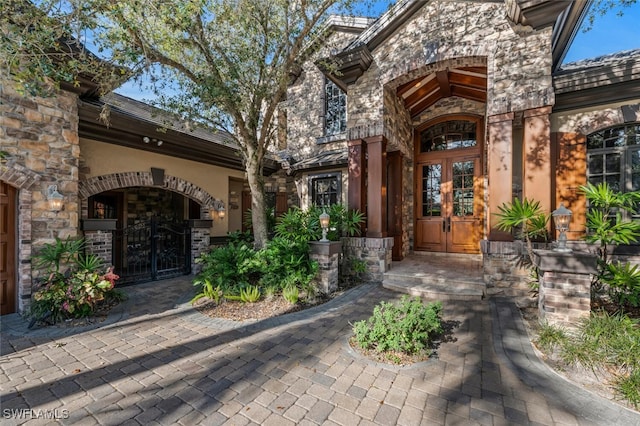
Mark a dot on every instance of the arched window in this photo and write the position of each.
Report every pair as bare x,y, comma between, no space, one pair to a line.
451,134
614,157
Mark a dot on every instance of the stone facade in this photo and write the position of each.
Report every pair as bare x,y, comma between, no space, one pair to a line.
375,252
458,34
41,137
565,287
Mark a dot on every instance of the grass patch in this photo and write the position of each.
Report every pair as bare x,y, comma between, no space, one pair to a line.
603,342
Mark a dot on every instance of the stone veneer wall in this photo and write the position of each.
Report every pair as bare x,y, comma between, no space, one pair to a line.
305,104
375,252
503,271
41,138
462,33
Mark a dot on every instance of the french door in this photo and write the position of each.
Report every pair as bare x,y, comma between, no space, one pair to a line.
449,204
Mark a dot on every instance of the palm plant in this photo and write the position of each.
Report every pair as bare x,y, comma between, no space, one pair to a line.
605,224
526,219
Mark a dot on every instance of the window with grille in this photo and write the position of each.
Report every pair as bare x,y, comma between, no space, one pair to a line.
613,157
335,109
325,189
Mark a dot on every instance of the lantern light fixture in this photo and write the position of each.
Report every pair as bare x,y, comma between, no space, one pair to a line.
561,218
324,224
54,198
218,211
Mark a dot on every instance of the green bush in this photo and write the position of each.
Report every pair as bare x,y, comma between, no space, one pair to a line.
526,220
408,327
623,281
603,342
227,269
287,263
250,294
76,292
291,294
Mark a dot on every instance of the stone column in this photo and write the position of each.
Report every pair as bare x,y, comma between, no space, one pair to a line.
376,187
500,169
200,231
98,236
327,254
536,144
564,296
377,253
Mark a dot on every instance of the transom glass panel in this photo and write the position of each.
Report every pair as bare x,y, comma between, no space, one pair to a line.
448,135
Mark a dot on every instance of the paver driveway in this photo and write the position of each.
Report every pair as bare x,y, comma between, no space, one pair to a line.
158,361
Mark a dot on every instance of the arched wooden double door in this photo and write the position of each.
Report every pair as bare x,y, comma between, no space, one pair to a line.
449,186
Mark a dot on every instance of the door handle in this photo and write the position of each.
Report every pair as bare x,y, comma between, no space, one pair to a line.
444,225
449,224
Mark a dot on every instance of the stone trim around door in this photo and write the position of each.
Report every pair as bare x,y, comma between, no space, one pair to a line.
24,180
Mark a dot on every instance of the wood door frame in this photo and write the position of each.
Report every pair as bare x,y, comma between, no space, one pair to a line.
444,156
8,236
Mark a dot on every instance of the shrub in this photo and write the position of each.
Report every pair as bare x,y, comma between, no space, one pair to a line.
407,327
526,220
291,294
75,293
250,294
227,269
623,280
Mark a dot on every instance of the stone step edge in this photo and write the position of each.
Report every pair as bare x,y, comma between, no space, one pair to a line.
437,294
434,280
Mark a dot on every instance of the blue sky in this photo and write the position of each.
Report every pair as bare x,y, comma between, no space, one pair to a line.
610,33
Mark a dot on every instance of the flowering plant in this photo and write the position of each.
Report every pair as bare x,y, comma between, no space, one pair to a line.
75,293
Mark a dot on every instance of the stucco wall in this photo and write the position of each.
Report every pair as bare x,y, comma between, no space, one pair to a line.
100,159
589,120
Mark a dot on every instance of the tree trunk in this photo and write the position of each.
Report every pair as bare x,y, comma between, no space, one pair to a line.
258,207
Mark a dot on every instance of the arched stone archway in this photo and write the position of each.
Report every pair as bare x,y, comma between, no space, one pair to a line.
101,238
98,184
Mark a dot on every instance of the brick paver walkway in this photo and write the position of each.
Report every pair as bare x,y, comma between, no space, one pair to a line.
157,361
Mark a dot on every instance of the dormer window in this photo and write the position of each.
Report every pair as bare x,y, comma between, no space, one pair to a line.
335,109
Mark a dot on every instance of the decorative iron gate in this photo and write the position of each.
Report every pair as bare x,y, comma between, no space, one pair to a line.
152,250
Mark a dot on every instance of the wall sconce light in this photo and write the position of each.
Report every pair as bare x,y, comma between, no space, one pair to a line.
54,198
561,218
324,224
146,139
160,143
218,211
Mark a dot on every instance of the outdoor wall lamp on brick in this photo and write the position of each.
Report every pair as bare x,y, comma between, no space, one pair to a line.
54,198
324,224
561,218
